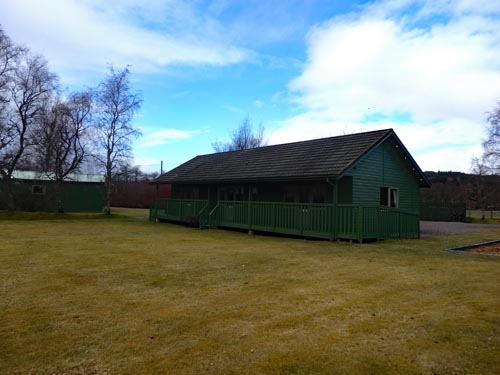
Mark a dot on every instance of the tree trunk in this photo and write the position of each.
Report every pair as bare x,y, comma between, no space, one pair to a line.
108,186
11,204
58,191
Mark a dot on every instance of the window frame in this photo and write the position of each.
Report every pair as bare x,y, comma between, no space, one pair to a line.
38,189
391,198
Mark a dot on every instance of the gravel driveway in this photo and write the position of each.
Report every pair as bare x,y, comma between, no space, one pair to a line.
441,228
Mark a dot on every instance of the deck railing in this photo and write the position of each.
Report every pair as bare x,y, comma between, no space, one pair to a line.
184,210
345,221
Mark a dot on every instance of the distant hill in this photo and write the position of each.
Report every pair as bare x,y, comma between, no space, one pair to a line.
457,187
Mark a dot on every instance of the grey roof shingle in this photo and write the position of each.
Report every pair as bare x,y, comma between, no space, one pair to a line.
325,157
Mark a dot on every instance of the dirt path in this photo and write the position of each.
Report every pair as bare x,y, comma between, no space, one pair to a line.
440,228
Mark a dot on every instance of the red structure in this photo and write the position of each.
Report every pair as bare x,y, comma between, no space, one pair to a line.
140,194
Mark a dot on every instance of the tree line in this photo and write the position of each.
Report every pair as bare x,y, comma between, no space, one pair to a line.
58,133
478,192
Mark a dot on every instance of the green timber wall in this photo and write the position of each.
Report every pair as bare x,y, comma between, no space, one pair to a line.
77,196
385,166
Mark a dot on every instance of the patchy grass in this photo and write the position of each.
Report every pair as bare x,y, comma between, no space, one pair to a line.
116,213
135,213
133,297
490,217
24,215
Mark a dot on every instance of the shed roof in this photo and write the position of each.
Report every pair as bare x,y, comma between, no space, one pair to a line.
41,176
318,158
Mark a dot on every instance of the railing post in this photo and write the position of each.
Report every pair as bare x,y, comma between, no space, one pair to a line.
249,208
275,216
334,209
151,211
360,223
399,223
378,222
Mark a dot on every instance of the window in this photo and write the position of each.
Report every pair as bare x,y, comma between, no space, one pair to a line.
389,197
305,193
345,190
233,193
38,190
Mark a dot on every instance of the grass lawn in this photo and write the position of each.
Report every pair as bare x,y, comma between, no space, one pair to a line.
126,296
490,217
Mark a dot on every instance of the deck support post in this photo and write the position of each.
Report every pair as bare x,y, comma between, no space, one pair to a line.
333,213
249,208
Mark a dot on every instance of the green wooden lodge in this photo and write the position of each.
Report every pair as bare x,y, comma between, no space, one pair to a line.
35,191
358,187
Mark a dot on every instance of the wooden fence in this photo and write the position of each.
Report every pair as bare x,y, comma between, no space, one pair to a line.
443,211
311,220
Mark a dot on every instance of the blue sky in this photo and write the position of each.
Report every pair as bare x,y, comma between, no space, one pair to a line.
304,69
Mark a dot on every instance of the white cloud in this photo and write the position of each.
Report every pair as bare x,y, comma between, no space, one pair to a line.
441,73
148,164
458,158
258,103
232,108
166,136
430,144
77,36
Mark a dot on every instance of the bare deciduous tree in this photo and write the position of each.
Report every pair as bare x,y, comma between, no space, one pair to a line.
492,144
132,173
478,191
242,138
116,106
32,83
9,54
60,148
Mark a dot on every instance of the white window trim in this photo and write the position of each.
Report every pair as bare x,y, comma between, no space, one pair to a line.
389,201
391,189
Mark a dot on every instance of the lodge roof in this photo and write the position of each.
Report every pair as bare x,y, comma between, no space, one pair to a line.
318,158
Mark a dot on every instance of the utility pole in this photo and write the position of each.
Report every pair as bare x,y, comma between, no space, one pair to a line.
158,185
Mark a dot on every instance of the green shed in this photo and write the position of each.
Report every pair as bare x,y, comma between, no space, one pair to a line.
360,186
36,191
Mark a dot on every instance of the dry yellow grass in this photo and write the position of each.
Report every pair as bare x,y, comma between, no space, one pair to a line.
127,296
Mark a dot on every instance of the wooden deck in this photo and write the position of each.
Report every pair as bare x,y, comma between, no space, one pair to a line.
352,222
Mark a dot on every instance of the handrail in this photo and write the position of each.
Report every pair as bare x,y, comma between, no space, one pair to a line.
201,215
209,217
391,209
180,200
213,210
204,208
349,221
